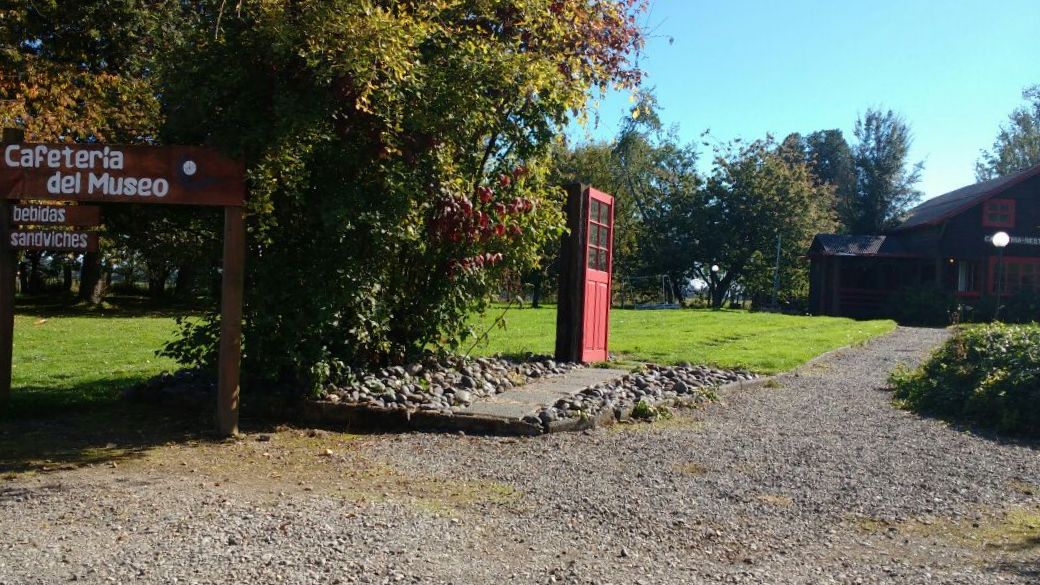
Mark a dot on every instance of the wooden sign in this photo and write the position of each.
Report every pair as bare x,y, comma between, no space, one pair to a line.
68,215
127,174
51,240
187,175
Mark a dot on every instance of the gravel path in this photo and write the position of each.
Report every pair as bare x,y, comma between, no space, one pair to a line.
815,480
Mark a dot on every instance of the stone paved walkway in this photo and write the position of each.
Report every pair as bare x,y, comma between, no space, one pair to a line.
528,399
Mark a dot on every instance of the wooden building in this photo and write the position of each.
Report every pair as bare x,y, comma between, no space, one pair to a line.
944,243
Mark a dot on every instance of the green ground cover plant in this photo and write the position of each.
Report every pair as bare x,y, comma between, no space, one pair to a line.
763,342
68,360
987,375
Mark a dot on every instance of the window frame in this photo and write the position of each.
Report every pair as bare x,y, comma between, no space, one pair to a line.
986,222
1018,262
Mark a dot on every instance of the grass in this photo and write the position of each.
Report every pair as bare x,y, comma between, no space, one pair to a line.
763,342
71,361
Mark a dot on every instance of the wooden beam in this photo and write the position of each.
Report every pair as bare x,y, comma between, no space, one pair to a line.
8,273
571,296
231,321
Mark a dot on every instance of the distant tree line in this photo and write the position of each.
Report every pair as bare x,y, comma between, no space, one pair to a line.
762,195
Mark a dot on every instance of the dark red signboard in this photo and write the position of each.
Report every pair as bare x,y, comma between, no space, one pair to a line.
51,240
187,175
69,215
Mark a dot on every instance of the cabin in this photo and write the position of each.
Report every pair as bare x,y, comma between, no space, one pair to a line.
944,243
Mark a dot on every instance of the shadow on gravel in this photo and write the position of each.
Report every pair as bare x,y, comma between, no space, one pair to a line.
103,434
963,427
1028,569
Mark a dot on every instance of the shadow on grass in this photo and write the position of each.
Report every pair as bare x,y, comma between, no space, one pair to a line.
52,305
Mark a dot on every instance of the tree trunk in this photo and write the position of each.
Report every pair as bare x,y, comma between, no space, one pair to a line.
677,289
35,276
157,277
23,277
717,295
536,293
184,287
92,286
66,275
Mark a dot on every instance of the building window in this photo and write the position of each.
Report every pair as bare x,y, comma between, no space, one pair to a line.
968,280
998,213
1020,275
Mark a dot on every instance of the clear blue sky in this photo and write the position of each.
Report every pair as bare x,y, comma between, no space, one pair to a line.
953,69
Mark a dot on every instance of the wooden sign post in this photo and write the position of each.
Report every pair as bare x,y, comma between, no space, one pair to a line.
179,175
8,273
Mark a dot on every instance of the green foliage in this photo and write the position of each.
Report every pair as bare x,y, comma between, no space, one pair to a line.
756,194
1017,145
832,162
989,375
928,306
1022,307
650,173
885,181
645,411
398,156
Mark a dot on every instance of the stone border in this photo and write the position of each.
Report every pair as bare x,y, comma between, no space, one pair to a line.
352,417
361,418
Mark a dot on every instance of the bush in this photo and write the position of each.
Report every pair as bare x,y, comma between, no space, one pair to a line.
989,375
923,306
398,160
1023,307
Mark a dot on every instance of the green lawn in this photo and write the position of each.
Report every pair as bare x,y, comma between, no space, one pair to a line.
763,342
67,362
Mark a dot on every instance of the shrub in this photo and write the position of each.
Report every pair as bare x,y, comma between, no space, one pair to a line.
922,306
398,157
989,375
1023,307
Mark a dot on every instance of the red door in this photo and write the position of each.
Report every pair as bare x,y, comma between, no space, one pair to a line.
599,251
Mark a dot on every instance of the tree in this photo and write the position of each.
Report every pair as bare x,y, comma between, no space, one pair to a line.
1018,143
398,157
753,196
82,72
832,163
884,178
658,175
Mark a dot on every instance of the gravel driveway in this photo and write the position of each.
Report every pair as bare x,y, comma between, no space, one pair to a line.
814,480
